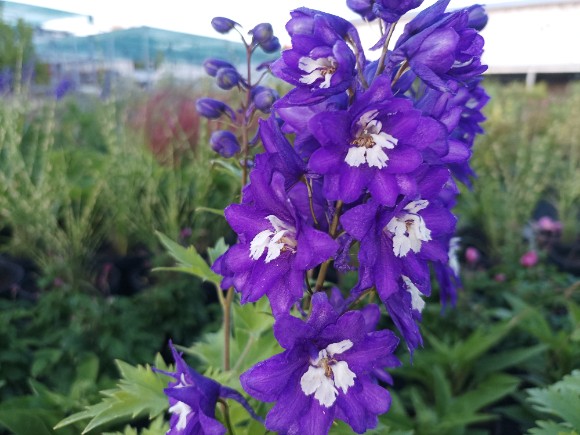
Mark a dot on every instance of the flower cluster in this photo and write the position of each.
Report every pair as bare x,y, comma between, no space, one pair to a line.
359,172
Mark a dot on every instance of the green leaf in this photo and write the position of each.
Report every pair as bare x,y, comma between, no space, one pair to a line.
217,211
480,342
24,422
551,428
218,249
138,393
487,392
561,399
189,261
442,389
228,168
503,360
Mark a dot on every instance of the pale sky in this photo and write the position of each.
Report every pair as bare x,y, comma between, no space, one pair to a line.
194,16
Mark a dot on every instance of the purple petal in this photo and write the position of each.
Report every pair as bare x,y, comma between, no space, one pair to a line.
291,405
359,220
325,160
353,181
246,220
267,380
314,248
403,159
288,330
384,188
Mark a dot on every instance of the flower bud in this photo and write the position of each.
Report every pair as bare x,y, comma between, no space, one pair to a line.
262,33
477,18
223,25
272,45
263,98
225,143
227,78
212,66
213,109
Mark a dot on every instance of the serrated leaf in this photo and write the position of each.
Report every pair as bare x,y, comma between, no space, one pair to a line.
138,393
561,399
218,249
189,261
551,428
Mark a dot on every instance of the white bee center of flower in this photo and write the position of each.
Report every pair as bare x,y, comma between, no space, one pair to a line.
282,238
326,375
409,229
315,69
180,408
454,245
417,301
370,143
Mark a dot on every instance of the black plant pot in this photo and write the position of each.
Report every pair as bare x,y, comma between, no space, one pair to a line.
566,256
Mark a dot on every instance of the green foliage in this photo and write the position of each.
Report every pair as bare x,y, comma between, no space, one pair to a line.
16,48
139,392
38,412
189,261
561,400
449,386
515,167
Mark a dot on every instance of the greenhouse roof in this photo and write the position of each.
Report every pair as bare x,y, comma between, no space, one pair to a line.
146,44
33,15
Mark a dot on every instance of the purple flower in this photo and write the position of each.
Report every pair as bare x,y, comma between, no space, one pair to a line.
388,10
64,87
212,66
263,98
328,371
277,242
193,398
263,32
280,155
396,246
461,113
441,46
369,146
223,25
224,142
320,63
271,45
213,109
227,78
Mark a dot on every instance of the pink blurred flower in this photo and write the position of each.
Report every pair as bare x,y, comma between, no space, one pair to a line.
185,233
529,259
500,277
471,255
546,223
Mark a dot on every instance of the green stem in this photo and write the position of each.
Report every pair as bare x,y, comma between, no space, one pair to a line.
381,64
309,188
226,412
227,308
403,68
332,232
362,295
